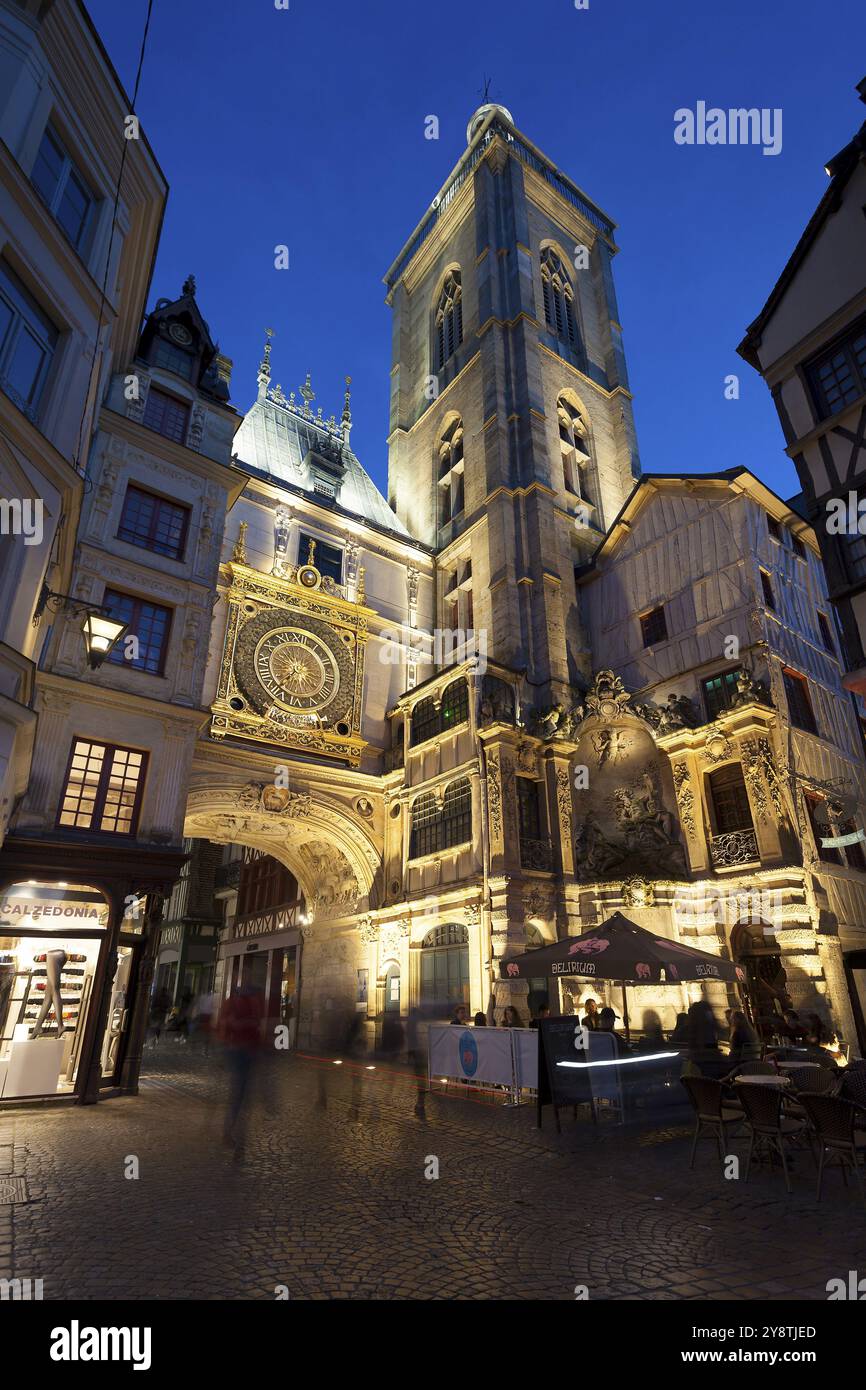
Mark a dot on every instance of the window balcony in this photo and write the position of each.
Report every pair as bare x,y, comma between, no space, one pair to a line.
733,848
536,854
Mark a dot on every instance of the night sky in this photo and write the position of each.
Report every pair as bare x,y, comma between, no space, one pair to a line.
306,127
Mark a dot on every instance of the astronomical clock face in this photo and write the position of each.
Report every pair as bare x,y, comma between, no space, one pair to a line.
293,666
297,669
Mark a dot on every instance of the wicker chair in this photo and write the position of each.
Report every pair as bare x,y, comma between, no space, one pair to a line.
713,1111
832,1121
853,1088
769,1128
815,1081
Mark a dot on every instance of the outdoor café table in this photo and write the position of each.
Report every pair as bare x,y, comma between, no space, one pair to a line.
762,1080
790,1066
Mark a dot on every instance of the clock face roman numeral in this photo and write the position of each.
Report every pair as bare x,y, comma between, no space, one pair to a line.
297,669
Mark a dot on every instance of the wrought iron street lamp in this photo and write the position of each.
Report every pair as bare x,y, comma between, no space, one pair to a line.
100,631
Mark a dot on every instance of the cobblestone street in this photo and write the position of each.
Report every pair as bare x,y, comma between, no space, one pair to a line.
331,1200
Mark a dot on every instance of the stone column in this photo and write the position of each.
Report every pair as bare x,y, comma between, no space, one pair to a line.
508,938
561,810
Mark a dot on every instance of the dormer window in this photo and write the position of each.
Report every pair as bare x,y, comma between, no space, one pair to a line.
327,559
175,355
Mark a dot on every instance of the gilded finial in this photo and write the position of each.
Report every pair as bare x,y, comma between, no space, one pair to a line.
311,554
189,285
239,554
307,392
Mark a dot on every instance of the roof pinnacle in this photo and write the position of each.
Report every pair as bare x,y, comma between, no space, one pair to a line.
264,376
346,419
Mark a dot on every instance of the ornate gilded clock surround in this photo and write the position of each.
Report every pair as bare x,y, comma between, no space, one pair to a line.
292,671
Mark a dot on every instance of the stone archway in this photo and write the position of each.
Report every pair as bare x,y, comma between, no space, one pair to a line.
331,855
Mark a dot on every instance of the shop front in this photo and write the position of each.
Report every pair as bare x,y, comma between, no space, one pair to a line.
271,966
75,969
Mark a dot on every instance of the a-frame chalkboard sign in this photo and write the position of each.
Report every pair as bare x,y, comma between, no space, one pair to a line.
562,1040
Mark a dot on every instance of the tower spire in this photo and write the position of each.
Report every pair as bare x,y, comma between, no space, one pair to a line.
264,376
347,411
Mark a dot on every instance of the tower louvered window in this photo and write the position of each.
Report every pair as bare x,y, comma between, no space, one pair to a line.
449,318
451,469
578,467
558,297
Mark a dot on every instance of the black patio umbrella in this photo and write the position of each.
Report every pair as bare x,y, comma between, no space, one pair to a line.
619,949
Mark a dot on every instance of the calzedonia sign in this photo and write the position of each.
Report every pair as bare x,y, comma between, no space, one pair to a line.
47,912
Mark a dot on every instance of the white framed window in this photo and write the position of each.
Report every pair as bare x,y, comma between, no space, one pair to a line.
63,188
28,340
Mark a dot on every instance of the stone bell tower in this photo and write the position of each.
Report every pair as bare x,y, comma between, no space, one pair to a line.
512,445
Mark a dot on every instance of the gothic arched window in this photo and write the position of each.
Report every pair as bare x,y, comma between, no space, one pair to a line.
425,721
558,297
451,471
449,318
455,705
457,813
426,826
577,466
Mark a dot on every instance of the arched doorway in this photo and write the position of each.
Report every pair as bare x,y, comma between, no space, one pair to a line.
755,948
392,988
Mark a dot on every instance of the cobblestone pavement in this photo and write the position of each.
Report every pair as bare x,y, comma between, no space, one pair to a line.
330,1199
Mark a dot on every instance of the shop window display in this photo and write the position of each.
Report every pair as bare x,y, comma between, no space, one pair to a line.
46,978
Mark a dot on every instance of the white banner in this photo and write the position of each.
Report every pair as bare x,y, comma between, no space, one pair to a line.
472,1054
525,1044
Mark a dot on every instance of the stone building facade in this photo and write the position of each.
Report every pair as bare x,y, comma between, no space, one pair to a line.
504,652
443,727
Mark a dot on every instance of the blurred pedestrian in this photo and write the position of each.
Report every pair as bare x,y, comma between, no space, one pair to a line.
480,1020
159,1007
240,1030
418,1057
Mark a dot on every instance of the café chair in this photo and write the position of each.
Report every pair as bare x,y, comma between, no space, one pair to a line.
713,1111
833,1124
769,1129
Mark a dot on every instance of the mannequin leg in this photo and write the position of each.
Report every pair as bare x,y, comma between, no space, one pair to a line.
54,963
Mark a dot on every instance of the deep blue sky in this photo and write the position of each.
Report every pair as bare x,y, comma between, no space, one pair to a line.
306,127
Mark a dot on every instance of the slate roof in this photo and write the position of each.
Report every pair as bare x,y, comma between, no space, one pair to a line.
275,437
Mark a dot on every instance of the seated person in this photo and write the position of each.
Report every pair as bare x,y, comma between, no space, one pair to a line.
744,1041
590,1018
680,1036
606,1024
792,1027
